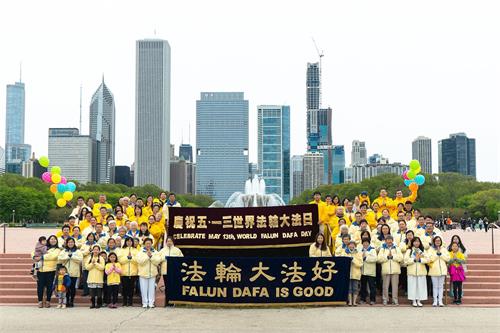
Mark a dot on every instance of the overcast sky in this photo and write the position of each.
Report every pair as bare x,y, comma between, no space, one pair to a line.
392,70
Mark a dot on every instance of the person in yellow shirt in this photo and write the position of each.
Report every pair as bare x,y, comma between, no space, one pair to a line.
415,259
356,264
128,209
327,218
85,223
77,236
127,259
368,215
47,271
138,216
341,249
103,216
389,220
168,251
147,210
71,258
113,270
71,223
364,198
120,219
102,203
390,257
383,200
95,280
319,248
368,271
65,230
321,204
156,225
400,199
148,260
438,269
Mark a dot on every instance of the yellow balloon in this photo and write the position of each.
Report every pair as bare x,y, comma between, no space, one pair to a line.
61,202
67,196
56,178
53,188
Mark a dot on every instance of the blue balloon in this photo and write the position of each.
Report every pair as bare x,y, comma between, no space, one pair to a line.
409,181
420,180
61,188
70,186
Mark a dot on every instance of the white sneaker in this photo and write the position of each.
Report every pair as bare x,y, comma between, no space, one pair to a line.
151,306
419,304
435,303
145,306
414,303
441,303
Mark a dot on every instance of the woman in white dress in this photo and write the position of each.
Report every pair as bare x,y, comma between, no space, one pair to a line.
415,259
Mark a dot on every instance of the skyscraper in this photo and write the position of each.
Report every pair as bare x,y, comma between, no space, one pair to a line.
273,146
297,176
186,152
123,175
16,151
422,151
338,164
102,131
313,170
319,121
221,144
358,153
457,154
152,113
72,152
2,160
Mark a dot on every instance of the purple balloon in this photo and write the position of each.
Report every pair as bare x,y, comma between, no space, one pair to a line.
63,180
46,177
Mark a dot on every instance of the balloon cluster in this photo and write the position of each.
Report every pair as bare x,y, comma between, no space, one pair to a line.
60,187
411,176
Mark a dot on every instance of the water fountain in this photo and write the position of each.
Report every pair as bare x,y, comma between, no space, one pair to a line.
254,196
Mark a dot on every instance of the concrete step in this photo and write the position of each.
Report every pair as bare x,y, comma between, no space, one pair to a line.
16,277
480,300
484,267
15,255
483,256
479,278
23,266
32,299
480,261
478,292
16,260
481,285
14,271
482,272
18,284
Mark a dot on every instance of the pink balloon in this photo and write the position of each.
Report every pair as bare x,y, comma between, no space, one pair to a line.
405,175
46,177
64,180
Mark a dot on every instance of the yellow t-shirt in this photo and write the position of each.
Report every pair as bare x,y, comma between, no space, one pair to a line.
114,276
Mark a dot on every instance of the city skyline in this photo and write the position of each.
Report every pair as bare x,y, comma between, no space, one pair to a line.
347,75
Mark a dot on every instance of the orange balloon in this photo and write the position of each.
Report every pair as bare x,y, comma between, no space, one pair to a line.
413,187
53,188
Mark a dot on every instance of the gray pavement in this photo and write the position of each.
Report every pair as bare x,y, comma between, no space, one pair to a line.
324,319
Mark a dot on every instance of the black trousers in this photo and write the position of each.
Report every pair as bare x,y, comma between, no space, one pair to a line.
105,293
85,275
457,290
378,277
44,283
368,282
403,279
70,294
113,293
128,285
96,293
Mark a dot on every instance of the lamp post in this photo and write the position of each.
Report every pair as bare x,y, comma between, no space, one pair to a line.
13,216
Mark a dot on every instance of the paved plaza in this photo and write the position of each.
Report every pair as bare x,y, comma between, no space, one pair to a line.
324,319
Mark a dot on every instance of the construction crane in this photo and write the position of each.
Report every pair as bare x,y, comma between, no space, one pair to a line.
320,55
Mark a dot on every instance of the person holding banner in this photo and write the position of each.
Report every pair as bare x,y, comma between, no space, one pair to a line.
319,248
148,260
416,259
168,251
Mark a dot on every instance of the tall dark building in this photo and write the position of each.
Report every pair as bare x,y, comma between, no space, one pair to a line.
186,152
458,154
123,175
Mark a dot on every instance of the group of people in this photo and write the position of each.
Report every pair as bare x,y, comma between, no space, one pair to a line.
107,251
391,244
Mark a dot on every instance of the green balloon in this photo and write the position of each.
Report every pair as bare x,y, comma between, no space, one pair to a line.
55,170
58,195
44,161
414,164
411,174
